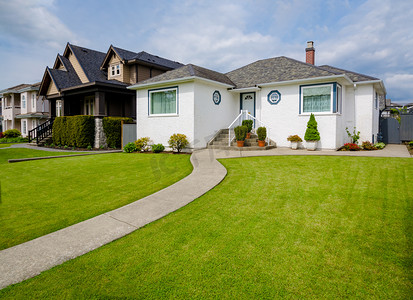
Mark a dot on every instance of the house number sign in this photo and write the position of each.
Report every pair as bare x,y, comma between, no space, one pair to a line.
216,97
274,97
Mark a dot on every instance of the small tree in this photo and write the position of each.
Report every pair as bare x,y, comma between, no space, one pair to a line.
240,133
312,134
178,142
355,136
262,133
249,124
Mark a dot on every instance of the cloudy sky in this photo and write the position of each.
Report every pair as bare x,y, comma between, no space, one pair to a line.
374,37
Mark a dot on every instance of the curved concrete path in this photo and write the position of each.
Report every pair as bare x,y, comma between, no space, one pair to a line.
31,258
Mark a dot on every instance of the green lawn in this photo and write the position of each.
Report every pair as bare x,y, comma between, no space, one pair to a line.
276,227
39,197
6,145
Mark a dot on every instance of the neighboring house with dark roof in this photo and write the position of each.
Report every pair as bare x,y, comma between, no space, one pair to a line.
280,93
88,82
22,108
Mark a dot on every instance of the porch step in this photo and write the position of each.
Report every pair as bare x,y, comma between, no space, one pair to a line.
221,142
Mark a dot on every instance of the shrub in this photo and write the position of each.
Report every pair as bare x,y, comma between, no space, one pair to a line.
248,124
294,138
380,145
74,131
178,141
355,136
351,147
112,129
411,143
142,144
1,135
312,134
262,133
157,148
14,140
12,133
240,133
129,148
368,146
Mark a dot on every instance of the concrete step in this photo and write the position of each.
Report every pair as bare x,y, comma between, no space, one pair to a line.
254,148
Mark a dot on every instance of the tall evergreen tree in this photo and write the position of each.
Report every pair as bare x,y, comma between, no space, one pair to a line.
312,134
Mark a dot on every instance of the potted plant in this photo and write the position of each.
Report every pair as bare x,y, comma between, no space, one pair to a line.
248,124
240,135
262,134
294,139
312,136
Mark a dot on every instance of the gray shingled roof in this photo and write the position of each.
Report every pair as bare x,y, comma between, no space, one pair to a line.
190,71
355,77
90,60
146,57
275,70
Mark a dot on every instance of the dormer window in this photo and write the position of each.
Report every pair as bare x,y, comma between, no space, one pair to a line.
115,70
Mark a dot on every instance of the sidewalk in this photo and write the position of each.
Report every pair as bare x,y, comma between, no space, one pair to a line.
31,258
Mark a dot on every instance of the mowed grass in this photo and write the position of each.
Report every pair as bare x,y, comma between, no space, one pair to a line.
39,197
276,227
6,145
13,153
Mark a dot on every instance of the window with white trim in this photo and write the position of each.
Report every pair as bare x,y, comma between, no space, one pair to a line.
33,101
115,70
59,112
89,105
24,127
23,101
163,102
321,98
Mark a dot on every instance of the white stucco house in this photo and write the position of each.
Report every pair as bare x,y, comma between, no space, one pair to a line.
279,92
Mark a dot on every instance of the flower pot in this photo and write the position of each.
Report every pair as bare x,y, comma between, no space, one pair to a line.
294,145
311,145
261,143
240,143
248,135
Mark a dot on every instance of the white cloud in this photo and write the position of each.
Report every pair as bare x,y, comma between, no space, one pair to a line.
215,36
26,22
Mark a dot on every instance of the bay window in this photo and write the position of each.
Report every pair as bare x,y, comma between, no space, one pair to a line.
320,98
163,102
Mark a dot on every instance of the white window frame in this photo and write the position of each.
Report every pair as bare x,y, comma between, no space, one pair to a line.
59,110
150,92
332,99
23,102
24,127
89,106
115,70
34,101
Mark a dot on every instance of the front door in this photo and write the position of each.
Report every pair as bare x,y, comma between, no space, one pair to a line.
248,103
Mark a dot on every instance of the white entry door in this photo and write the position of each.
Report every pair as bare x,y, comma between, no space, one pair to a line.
248,103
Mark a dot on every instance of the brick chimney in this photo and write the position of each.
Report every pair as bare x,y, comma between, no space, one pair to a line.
310,53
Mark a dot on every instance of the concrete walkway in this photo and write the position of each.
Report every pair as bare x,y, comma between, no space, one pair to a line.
31,258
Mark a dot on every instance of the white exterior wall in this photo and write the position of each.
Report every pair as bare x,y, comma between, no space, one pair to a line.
364,98
209,117
160,128
376,116
283,119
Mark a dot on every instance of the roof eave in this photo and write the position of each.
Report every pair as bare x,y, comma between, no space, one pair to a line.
343,76
177,80
378,81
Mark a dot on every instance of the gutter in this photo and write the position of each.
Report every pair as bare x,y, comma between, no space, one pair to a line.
177,80
344,76
379,81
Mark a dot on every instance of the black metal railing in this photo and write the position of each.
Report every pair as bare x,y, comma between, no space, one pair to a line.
42,131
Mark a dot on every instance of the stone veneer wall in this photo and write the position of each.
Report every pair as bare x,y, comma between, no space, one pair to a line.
100,137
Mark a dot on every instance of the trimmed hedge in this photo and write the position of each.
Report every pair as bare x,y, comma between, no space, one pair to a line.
74,131
112,129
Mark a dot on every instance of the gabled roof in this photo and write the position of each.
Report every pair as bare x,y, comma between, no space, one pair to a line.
127,56
275,69
24,87
356,77
189,71
90,61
